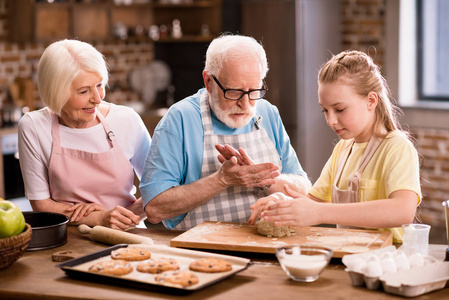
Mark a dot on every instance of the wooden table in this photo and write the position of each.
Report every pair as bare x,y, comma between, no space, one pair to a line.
34,275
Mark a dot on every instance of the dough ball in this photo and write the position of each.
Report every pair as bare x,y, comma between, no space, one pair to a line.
270,230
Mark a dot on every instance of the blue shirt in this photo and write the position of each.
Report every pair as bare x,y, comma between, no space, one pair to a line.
176,152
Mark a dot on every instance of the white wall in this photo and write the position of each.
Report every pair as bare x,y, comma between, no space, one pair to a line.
318,37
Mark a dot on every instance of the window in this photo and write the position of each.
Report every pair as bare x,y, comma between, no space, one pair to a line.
433,49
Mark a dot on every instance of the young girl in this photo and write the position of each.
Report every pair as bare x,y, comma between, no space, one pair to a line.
372,178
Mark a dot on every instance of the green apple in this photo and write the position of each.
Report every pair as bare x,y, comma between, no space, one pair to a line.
12,221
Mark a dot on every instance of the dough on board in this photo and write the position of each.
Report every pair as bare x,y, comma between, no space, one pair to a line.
270,230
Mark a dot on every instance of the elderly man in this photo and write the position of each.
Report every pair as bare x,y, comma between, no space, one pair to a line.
216,152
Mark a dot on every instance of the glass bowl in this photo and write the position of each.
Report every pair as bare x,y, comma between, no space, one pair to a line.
304,262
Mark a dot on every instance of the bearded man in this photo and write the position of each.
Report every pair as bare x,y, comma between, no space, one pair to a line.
216,152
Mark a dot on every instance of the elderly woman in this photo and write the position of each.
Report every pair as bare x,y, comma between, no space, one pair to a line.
78,154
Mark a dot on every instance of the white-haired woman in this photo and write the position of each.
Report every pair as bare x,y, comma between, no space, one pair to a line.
78,155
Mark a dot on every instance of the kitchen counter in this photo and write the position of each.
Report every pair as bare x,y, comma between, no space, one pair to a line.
34,275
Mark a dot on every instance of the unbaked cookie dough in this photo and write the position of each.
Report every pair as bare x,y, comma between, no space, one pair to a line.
270,230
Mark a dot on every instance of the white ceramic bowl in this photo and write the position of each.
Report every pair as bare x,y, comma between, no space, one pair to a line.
303,262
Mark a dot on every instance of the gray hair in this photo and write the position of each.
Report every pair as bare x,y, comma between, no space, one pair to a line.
228,47
59,65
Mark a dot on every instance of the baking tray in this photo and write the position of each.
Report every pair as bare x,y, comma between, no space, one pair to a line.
78,268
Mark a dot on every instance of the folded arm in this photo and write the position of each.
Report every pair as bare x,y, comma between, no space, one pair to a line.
93,214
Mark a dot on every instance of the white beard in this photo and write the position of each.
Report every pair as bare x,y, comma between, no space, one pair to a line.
224,115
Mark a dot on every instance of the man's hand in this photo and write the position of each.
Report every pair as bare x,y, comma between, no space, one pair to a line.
257,175
226,152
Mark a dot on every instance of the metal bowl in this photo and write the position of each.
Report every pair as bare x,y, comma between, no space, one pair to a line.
49,230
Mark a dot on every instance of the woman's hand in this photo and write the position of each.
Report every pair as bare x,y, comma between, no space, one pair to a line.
81,210
120,218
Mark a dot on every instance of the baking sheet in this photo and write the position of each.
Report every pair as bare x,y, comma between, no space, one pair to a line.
230,236
78,268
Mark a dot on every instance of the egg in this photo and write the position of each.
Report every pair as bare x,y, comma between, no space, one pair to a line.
373,257
416,260
388,265
373,269
388,254
357,265
402,261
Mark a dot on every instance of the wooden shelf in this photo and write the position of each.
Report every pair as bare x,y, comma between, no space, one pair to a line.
32,21
193,4
186,38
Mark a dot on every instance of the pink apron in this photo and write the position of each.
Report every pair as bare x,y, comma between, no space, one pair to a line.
351,195
78,176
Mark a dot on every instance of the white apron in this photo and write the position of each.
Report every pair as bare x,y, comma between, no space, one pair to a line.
351,195
231,205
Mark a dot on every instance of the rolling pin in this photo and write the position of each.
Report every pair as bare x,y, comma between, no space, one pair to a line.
112,236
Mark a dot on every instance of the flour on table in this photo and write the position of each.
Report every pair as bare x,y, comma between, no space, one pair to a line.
355,249
330,239
359,239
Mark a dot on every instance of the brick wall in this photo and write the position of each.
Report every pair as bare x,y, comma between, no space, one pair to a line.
363,26
363,29
433,146
20,60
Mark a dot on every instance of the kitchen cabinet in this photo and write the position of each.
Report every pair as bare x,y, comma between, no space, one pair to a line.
98,20
11,172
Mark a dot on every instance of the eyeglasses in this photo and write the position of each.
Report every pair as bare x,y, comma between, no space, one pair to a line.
233,94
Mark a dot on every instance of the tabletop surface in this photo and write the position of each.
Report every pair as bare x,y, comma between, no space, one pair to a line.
35,275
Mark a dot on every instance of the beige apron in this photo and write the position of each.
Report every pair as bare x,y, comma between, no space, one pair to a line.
232,205
351,194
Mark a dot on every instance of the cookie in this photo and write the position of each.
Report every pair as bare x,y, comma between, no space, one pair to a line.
184,278
130,254
210,265
159,265
112,267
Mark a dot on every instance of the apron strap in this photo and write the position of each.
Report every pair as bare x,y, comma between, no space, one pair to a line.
342,164
371,148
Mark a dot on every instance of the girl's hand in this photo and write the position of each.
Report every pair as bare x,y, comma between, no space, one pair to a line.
262,204
120,218
81,210
301,211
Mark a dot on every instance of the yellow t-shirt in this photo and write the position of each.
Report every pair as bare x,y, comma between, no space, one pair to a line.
394,166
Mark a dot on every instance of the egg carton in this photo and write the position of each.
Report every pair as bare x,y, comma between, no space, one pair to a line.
387,266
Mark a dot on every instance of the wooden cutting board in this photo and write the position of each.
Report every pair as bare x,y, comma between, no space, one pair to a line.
244,237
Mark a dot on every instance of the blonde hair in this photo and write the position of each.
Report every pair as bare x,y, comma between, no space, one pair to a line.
60,63
228,47
358,70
